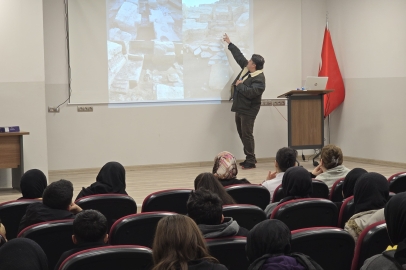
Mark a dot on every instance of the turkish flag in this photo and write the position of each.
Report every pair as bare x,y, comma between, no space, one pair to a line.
329,68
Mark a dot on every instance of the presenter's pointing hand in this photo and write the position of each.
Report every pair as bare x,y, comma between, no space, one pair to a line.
226,38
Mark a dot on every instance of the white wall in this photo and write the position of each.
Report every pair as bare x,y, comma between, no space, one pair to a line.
165,134
368,38
22,88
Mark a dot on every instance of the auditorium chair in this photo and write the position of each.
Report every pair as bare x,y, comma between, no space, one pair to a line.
11,214
229,251
111,257
172,200
249,194
2,240
336,193
320,190
397,182
247,216
346,212
112,206
137,229
332,248
54,237
306,213
373,240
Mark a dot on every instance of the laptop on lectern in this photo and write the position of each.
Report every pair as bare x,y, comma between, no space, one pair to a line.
316,83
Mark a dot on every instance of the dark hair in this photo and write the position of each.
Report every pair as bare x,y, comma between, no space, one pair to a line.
286,158
332,156
177,241
210,182
258,60
205,207
58,195
90,226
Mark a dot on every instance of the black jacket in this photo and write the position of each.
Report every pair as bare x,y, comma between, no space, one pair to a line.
234,181
39,212
247,95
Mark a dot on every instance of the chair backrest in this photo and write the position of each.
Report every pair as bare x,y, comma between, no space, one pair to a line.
137,229
2,240
320,190
247,216
112,206
54,237
373,240
11,214
172,200
397,182
306,213
346,212
110,257
331,248
336,193
229,251
250,194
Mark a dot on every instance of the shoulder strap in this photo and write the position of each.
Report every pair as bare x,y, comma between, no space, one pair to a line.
389,255
306,261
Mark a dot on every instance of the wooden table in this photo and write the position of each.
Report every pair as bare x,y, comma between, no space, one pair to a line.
11,155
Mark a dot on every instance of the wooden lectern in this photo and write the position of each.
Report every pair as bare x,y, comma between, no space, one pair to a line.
306,118
11,155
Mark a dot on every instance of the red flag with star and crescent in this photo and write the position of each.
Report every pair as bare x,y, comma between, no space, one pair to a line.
329,68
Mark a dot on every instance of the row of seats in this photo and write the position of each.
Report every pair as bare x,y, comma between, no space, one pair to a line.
332,248
295,214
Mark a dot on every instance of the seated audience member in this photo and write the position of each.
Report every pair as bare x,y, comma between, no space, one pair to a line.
33,184
210,182
179,245
225,168
56,205
330,168
268,248
206,209
296,184
111,179
285,158
393,257
350,181
2,230
89,231
371,193
22,254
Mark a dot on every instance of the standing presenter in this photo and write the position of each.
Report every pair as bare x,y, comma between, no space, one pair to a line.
246,93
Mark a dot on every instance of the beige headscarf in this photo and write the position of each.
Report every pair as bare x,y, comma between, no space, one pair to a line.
225,166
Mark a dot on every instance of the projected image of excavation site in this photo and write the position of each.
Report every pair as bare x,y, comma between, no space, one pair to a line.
163,50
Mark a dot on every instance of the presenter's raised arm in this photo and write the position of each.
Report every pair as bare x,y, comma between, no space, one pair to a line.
238,56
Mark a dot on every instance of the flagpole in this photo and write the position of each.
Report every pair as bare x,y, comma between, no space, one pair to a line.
328,119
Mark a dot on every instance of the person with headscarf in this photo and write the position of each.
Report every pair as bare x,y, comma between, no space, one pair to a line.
22,254
350,180
394,257
225,168
371,193
268,248
110,180
33,184
296,184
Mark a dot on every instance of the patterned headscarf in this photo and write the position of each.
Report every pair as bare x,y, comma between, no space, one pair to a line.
225,166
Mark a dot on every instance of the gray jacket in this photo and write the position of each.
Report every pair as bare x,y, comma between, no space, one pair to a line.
228,228
247,95
384,261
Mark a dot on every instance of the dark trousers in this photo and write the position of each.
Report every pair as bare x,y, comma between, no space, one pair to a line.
245,128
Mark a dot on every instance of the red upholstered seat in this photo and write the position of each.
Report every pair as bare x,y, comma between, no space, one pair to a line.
250,194
346,212
306,213
397,182
172,200
246,215
229,251
111,257
137,229
336,193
